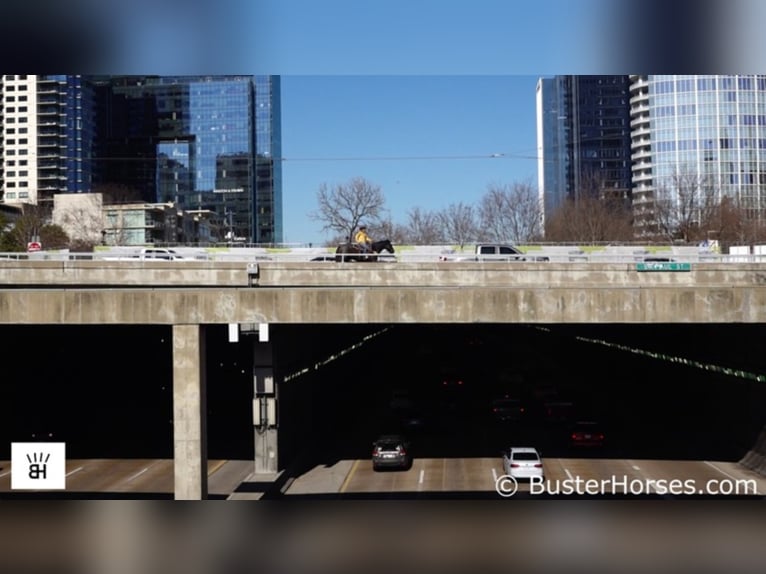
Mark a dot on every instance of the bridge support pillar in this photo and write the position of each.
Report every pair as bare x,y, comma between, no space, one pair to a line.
264,405
189,413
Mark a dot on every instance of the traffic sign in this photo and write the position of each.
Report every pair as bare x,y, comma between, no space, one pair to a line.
663,266
34,246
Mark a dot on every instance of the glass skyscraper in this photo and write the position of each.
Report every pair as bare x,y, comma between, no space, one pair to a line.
583,137
709,129
202,142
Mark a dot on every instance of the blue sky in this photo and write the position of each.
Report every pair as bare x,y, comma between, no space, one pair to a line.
404,78
428,141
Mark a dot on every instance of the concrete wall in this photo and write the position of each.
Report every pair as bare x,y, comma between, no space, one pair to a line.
217,293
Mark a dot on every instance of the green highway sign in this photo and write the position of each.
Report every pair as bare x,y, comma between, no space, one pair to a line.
663,266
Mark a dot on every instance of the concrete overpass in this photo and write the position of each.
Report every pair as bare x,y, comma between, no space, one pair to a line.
190,295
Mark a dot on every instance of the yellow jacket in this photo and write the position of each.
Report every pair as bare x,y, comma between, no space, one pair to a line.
362,237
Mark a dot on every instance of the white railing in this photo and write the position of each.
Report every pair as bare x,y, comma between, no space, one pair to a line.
318,256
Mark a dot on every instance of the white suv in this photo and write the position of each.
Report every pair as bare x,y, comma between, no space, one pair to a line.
523,462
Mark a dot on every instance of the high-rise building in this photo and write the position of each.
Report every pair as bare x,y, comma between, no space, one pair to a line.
702,131
583,137
553,157
204,143
47,137
201,142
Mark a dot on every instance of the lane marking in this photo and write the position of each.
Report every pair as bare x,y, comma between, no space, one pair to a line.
5,474
420,478
215,467
139,473
348,476
569,474
636,467
494,476
78,469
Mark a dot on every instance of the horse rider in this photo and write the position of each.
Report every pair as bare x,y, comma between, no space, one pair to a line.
364,240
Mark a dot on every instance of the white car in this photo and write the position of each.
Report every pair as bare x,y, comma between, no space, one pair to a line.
523,463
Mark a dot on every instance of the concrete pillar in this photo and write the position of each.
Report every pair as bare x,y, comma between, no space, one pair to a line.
265,407
189,413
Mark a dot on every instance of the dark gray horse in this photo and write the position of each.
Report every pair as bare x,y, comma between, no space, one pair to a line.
353,251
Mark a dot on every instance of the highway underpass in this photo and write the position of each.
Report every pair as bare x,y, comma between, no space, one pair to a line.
652,384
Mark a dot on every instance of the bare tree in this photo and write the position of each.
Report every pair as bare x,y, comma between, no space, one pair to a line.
28,226
590,220
730,225
684,204
386,228
81,216
458,222
343,206
423,227
510,213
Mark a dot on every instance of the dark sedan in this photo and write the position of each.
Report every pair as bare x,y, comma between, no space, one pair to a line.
391,451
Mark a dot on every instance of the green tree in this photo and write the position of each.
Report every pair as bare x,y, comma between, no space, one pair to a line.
53,237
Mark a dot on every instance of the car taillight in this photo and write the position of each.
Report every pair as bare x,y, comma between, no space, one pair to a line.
600,437
538,465
575,436
376,451
515,465
403,451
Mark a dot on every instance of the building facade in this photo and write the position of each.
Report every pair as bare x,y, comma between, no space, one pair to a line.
583,138
698,131
208,144
204,143
47,137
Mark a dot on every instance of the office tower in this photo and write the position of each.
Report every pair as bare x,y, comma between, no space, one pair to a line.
47,137
700,131
583,133
207,143
553,159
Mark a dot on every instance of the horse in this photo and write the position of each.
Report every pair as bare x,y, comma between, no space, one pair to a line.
353,251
